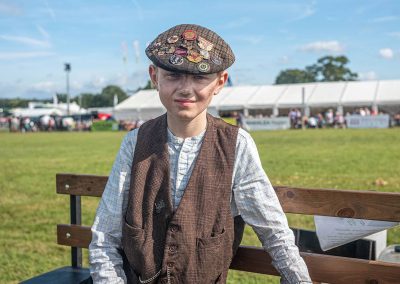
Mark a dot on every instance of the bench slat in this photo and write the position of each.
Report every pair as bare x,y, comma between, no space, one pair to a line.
369,205
326,202
74,235
323,268
83,185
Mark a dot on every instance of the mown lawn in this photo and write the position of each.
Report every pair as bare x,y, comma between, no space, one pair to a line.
30,208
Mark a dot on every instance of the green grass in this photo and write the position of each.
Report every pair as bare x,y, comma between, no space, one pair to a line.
30,208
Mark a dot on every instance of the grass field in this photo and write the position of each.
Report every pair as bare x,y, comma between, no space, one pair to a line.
30,208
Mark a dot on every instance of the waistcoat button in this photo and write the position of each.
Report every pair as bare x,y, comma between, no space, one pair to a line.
172,248
170,264
174,228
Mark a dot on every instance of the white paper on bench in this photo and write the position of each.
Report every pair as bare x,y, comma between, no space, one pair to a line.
335,231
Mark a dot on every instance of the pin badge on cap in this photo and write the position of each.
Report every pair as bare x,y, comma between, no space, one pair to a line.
204,44
176,59
173,39
216,60
181,51
189,35
205,54
203,67
194,56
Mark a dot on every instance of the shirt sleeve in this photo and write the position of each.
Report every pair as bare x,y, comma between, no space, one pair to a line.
255,200
106,264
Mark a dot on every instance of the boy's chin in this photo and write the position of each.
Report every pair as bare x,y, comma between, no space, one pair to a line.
187,115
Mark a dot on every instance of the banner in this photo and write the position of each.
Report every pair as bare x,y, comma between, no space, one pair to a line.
375,121
273,123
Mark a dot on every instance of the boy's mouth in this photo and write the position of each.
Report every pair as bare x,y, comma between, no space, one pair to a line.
184,102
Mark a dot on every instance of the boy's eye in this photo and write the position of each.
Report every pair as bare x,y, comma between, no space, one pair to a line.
173,75
200,77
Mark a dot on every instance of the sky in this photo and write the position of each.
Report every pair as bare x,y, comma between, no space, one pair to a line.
104,41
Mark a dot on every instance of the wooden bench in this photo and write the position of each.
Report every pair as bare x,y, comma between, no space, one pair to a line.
323,268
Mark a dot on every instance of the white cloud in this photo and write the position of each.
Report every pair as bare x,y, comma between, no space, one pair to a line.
23,55
386,53
325,46
369,75
27,41
385,19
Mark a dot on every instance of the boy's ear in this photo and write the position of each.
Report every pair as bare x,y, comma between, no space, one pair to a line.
153,75
222,78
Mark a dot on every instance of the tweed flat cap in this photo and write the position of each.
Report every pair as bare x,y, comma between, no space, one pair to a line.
190,49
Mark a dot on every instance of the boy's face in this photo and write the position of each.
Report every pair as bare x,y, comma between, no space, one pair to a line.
186,96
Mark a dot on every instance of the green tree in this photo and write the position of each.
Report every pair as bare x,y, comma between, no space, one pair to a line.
327,69
107,95
331,68
290,76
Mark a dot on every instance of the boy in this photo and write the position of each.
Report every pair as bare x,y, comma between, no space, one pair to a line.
182,184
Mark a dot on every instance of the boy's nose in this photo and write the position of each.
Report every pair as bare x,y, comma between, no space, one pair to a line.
185,82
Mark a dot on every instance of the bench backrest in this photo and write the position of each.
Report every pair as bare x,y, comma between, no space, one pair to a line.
325,202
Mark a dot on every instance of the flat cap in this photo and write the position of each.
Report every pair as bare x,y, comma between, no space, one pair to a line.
190,49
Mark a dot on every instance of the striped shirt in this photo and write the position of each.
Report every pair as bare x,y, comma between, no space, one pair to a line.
253,197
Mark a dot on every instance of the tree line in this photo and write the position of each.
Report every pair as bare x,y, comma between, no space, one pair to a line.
86,100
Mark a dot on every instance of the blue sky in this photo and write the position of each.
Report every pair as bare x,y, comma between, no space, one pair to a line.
38,36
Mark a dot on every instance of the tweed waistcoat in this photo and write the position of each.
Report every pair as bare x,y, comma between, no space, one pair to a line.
196,242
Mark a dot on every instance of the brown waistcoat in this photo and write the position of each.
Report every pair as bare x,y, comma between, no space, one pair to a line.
196,242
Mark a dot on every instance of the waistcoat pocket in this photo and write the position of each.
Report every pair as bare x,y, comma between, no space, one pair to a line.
140,252
210,258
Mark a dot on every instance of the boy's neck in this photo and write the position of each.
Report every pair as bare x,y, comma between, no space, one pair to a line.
187,128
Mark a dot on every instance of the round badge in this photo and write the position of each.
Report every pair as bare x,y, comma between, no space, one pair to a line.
173,39
204,44
216,60
205,54
181,51
189,35
203,67
176,59
170,50
194,56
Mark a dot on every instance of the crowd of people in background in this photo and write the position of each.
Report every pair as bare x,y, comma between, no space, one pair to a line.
327,119
47,123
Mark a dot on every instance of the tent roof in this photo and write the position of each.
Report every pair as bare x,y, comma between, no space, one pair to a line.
359,92
326,93
322,94
388,92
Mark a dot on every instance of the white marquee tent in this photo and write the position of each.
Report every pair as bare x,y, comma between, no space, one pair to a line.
145,104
